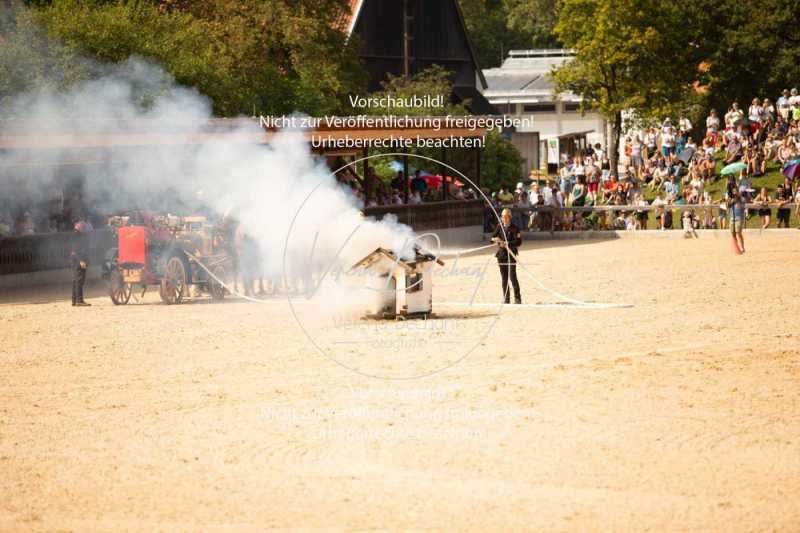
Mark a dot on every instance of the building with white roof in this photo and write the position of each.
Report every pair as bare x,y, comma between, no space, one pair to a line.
522,85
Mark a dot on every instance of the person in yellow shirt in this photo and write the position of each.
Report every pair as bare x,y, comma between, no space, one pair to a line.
505,196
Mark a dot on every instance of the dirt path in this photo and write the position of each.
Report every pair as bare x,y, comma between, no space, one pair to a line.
682,413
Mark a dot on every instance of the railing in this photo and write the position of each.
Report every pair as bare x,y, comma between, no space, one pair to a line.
521,214
649,207
48,251
434,215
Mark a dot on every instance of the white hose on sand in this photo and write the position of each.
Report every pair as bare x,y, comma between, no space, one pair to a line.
566,301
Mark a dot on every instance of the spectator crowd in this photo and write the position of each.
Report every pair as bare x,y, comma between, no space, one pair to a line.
668,165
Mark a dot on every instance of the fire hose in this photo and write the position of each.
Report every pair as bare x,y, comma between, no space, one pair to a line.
567,301
222,283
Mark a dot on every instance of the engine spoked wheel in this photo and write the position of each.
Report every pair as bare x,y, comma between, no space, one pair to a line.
119,291
216,288
173,284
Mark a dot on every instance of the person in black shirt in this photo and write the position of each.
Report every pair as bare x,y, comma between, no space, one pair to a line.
399,182
783,212
79,257
508,238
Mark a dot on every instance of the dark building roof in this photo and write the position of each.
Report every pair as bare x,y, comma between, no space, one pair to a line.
439,37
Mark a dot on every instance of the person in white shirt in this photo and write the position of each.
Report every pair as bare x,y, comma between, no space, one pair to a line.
533,193
598,152
794,99
754,112
708,146
783,104
660,174
698,185
650,143
547,192
767,111
578,169
667,142
684,124
637,161
734,116
712,122
415,198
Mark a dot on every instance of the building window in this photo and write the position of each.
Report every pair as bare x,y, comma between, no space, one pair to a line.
539,108
572,107
506,109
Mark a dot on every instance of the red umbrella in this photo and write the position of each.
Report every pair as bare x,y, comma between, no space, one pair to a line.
435,182
457,183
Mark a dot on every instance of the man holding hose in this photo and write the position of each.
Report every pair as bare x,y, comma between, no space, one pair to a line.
508,238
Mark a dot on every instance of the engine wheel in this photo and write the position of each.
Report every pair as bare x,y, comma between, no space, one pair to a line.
216,288
173,284
118,290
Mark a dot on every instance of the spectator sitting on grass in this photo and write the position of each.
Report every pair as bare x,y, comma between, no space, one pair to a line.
659,175
672,188
609,189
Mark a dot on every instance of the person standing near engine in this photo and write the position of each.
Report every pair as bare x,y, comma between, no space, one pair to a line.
79,258
508,238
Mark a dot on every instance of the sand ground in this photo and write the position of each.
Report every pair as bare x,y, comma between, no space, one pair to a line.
681,413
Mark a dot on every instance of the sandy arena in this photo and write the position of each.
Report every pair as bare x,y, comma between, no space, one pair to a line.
681,413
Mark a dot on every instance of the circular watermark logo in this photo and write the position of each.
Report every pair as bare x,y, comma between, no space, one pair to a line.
367,301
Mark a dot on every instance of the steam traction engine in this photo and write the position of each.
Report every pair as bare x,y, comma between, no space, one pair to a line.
171,252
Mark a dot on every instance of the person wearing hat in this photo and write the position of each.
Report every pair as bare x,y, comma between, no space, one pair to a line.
518,193
794,99
79,257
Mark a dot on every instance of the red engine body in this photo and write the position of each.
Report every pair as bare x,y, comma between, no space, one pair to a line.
132,250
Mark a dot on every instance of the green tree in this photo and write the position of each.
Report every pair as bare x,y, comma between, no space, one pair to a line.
298,38
535,19
754,50
501,163
497,26
631,55
28,59
489,30
247,56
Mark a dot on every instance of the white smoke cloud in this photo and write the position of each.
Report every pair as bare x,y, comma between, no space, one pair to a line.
267,185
